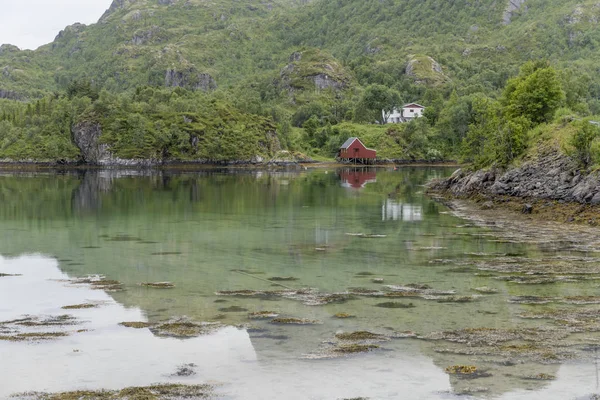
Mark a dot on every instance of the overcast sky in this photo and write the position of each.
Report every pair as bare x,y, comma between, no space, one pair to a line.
29,24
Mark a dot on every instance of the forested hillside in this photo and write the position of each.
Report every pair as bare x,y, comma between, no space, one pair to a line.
244,79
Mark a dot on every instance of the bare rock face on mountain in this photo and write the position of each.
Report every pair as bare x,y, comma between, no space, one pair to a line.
512,7
425,70
312,69
8,48
9,94
71,29
115,6
191,79
86,136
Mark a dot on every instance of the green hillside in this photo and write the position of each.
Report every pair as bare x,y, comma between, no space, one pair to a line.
308,67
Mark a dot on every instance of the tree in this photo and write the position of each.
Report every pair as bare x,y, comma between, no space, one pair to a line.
534,94
582,141
377,103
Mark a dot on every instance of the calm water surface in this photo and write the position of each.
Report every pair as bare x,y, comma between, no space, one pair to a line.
332,231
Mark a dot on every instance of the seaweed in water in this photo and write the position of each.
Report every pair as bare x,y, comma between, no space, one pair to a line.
282,279
185,370
184,328
80,306
294,321
344,315
99,282
233,309
263,315
33,336
158,285
307,296
154,392
457,299
467,372
394,304
485,290
364,274
136,324
355,348
360,336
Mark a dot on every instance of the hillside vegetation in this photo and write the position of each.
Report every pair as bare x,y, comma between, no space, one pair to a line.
243,79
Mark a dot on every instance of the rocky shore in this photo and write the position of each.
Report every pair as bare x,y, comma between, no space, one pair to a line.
550,186
550,177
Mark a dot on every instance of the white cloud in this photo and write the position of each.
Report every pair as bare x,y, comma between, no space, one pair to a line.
29,24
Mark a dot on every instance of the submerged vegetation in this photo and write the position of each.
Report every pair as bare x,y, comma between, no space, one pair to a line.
154,392
158,285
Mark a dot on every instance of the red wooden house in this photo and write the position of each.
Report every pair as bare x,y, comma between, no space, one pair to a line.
354,150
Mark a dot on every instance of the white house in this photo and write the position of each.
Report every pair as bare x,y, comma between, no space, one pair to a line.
407,113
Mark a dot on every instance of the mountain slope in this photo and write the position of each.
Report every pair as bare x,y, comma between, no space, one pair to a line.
302,67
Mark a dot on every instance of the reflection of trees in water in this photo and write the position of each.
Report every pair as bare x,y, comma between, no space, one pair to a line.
87,197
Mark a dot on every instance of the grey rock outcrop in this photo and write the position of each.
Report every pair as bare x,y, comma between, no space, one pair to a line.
9,94
86,135
71,29
190,79
551,177
323,81
144,36
512,7
115,6
8,48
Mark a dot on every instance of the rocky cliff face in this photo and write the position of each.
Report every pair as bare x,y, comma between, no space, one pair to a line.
552,177
86,136
190,79
9,94
512,7
313,69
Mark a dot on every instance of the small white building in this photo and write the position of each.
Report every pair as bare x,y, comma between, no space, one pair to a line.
407,113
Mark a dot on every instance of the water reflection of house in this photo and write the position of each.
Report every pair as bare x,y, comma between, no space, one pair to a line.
392,210
357,178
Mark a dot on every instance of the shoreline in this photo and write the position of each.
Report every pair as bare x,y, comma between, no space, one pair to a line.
202,166
525,207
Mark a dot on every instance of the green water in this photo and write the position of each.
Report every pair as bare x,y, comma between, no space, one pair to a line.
222,231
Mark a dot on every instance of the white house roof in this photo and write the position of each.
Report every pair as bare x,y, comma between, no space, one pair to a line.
413,105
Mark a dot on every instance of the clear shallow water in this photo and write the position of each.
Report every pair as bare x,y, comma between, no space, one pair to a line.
220,231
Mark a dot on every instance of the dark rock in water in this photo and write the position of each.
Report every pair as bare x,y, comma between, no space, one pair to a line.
527,209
